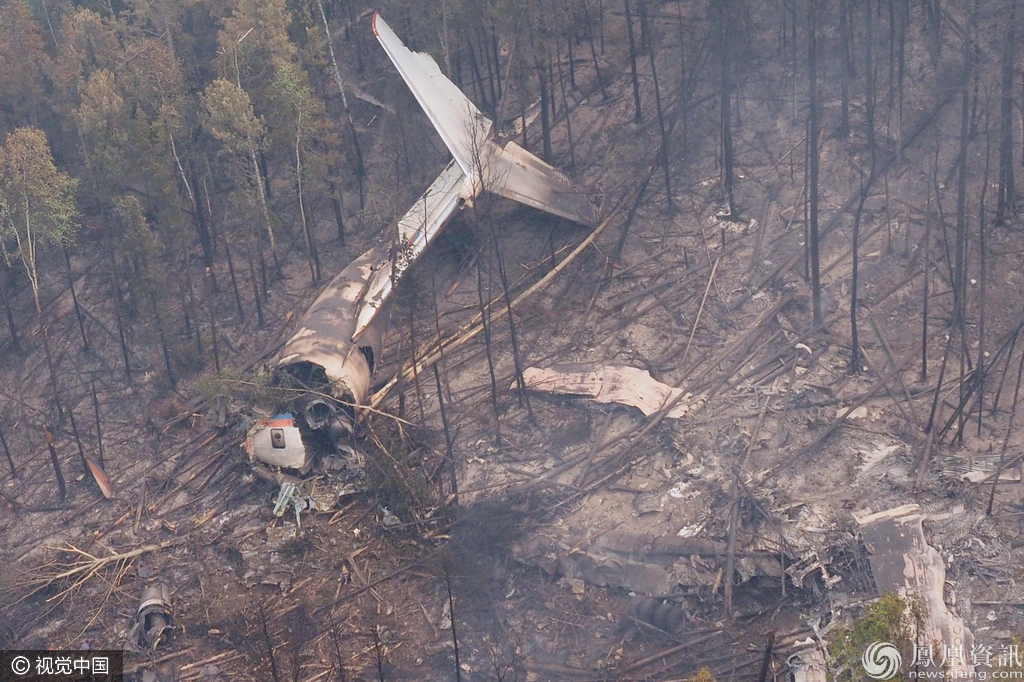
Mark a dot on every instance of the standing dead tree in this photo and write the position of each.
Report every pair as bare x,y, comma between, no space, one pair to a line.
813,158
724,15
638,116
360,169
1006,195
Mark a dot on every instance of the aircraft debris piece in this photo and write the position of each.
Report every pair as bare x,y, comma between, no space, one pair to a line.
153,619
324,354
509,171
331,356
905,564
611,384
100,477
288,496
278,442
807,662
660,613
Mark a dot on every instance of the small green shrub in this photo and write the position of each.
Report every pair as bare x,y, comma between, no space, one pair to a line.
254,389
888,619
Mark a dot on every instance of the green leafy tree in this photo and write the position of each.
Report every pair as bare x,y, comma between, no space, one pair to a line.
300,109
37,201
88,42
230,119
254,39
889,619
102,119
37,207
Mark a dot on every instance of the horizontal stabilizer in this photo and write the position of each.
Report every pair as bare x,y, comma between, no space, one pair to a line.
519,175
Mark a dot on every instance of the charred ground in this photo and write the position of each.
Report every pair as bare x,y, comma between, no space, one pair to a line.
565,509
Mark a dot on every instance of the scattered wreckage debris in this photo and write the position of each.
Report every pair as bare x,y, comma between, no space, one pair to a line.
330,359
278,442
659,613
905,564
285,452
612,384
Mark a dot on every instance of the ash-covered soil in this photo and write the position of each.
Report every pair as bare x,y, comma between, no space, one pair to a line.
568,514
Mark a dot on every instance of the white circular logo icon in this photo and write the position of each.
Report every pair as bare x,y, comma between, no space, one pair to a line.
881,660
20,665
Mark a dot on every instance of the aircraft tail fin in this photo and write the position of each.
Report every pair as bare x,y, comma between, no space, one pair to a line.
508,171
461,125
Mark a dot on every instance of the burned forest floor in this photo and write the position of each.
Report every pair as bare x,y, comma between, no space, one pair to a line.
535,536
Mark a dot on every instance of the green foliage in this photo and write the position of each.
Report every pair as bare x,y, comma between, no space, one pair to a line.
254,39
88,42
135,239
101,120
254,389
888,619
37,201
229,116
703,675
291,85
397,474
22,63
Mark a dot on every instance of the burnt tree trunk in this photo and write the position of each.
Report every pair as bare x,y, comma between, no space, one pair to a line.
1007,192
15,338
813,159
869,80
844,70
961,188
725,9
663,149
638,116
74,299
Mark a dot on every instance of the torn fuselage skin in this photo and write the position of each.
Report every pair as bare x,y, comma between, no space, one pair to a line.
326,358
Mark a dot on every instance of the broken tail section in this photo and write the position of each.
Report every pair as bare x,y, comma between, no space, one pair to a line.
333,352
509,171
457,120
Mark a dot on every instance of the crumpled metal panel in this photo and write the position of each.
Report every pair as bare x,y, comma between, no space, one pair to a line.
610,384
807,662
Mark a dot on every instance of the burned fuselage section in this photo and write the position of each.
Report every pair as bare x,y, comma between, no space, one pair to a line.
326,367
324,373
325,358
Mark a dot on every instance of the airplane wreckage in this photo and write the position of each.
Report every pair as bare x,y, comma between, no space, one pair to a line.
652,545
334,350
